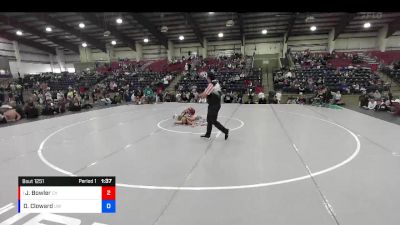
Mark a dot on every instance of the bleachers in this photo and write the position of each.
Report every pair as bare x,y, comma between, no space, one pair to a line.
306,80
139,80
230,81
387,57
392,73
5,76
62,81
229,71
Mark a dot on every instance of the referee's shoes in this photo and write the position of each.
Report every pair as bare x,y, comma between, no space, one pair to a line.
208,137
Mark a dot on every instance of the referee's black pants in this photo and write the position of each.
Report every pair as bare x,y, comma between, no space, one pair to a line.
212,116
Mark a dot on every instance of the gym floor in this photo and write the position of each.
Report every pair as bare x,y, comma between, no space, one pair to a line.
282,164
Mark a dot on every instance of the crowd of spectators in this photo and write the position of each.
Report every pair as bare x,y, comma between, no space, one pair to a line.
310,59
393,71
231,73
346,80
125,82
380,102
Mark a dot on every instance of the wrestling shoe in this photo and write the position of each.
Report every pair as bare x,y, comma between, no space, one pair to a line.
205,136
226,135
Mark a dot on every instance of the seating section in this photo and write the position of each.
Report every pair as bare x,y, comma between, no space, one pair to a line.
387,57
230,81
5,76
229,71
392,73
62,81
140,80
346,80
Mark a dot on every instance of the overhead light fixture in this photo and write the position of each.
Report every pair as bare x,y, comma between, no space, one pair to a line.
313,28
220,35
211,13
19,33
264,31
119,20
367,25
84,44
145,40
181,37
113,42
81,25
48,29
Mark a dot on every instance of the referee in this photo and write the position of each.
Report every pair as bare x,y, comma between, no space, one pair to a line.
213,94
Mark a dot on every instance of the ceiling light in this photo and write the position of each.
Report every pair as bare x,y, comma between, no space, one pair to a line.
145,40
181,37
264,31
48,29
82,25
84,44
119,20
113,42
220,35
19,33
367,25
313,28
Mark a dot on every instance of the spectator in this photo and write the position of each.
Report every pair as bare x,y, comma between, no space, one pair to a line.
377,95
117,99
31,111
337,98
390,96
2,95
106,100
11,115
371,104
75,104
278,96
363,100
395,108
261,98
178,96
149,95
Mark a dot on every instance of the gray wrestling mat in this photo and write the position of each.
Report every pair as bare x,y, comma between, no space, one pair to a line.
282,165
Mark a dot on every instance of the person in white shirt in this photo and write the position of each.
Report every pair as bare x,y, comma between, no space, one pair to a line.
261,98
377,95
261,95
60,95
278,96
337,96
178,96
371,104
289,74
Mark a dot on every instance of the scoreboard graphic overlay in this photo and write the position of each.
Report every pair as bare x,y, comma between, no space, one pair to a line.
66,195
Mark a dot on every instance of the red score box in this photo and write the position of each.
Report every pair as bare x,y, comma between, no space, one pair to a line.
108,192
